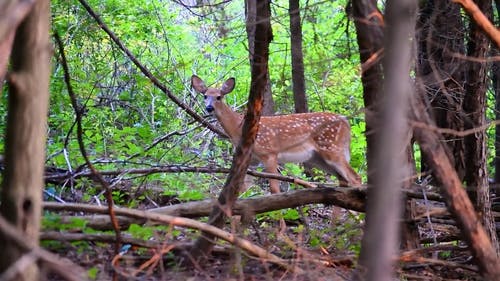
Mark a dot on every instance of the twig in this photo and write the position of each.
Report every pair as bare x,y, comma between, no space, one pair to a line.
190,223
453,132
63,176
161,139
78,112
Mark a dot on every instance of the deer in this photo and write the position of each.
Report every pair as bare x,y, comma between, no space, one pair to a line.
318,139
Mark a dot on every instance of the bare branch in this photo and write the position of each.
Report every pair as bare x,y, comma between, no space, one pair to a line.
481,20
95,173
190,223
66,269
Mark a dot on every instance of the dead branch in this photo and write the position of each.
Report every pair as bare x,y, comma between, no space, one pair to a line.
347,198
453,132
56,175
456,198
66,269
189,223
422,261
98,237
480,19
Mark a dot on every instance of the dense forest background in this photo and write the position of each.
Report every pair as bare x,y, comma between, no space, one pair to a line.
125,114
124,126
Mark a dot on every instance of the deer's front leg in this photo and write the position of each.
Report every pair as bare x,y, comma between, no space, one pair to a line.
270,162
271,166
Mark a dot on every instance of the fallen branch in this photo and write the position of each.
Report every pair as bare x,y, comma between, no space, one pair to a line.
64,268
189,223
347,198
423,262
97,237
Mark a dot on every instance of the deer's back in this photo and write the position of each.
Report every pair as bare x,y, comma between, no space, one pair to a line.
301,132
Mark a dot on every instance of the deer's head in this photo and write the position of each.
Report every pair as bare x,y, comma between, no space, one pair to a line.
212,96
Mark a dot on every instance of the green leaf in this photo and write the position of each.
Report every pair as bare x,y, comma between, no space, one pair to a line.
141,232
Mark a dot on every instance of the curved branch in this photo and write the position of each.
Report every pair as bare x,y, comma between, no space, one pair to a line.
148,73
95,173
481,20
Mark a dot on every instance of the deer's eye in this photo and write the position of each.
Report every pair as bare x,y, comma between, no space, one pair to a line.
219,97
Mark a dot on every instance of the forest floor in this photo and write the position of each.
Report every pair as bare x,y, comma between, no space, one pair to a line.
324,242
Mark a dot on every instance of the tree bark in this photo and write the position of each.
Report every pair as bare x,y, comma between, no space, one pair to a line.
476,172
381,235
242,155
456,198
251,14
13,13
440,37
369,29
298,79
369,24
495,73
25,137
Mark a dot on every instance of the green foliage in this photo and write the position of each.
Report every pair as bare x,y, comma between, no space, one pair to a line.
92,273
141,232
294,170
291,214
51,221
124,113
358,147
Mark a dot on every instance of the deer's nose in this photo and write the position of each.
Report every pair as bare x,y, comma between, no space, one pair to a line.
209,108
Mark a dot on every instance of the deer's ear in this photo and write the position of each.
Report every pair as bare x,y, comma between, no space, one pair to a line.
228,86
198,85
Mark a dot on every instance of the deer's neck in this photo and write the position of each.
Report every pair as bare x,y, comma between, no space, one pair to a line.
230,120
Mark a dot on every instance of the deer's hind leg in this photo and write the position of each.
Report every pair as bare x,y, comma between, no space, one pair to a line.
335,164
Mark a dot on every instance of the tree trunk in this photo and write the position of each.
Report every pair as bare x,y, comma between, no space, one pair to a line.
476,173
440,37
26,133
368,21
251,14
298,80
456,198
495,73
241,158
381,235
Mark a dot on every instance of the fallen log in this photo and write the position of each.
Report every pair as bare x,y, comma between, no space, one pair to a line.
347,198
